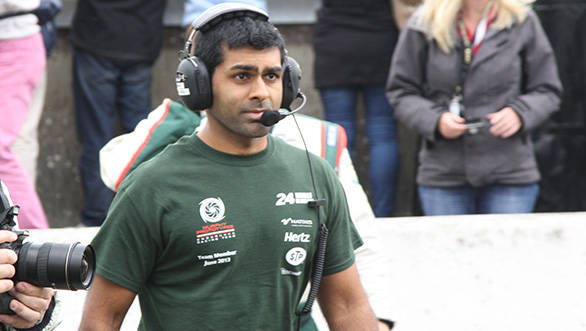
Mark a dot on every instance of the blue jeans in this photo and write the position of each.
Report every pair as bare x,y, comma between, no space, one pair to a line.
340,107
101,87
490,199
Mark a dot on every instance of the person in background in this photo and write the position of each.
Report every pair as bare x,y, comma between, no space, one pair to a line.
22,61
353,43
474,78
115,45
26,145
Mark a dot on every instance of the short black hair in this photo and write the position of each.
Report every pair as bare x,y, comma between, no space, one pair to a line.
235,33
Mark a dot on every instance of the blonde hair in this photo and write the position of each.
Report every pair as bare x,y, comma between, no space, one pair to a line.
437,17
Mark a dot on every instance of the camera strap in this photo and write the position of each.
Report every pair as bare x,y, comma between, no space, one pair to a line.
9,213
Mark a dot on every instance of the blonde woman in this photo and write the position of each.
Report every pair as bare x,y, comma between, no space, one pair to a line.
473,78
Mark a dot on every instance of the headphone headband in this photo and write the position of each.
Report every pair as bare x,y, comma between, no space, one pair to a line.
228,10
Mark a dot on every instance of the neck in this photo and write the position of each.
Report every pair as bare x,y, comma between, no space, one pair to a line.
473,11
229,142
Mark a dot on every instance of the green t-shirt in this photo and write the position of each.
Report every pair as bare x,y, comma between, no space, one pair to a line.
214,241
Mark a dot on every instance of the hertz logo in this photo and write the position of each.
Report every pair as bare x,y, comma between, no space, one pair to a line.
297,237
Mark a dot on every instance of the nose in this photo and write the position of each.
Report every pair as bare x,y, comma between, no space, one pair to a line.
259,89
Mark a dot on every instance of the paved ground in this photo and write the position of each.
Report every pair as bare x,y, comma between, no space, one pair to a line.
459,273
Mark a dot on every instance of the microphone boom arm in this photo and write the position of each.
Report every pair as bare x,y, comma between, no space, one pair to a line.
271,117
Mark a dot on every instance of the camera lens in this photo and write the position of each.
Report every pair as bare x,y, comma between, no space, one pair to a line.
84,267
61,266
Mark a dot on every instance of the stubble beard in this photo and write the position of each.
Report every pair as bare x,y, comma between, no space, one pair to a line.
243,128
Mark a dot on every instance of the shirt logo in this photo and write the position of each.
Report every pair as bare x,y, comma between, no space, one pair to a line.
292,222
217,258
293,198
289,272
215,232
212,210
297,237
296,255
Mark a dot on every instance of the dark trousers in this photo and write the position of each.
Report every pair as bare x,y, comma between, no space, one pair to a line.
340,107
103,88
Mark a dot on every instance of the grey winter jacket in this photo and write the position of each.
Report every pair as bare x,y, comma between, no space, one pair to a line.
513,67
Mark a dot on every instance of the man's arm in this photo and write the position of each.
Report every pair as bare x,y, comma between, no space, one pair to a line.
106,304
344,303
369,257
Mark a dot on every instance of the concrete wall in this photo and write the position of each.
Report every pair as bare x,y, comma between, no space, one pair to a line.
454,273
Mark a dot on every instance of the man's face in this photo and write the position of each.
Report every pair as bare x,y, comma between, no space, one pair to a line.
244,85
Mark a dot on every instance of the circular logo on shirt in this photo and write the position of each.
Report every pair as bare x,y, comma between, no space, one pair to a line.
296,255
212,210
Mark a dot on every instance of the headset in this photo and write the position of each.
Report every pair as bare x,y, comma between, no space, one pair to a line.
194,83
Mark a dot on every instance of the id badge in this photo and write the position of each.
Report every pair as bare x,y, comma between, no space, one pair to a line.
456,106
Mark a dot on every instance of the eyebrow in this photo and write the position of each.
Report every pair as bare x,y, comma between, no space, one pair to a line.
253,68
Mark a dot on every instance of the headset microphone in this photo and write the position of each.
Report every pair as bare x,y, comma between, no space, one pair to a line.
271,117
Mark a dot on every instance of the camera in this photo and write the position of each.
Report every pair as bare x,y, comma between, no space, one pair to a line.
56,265
473,124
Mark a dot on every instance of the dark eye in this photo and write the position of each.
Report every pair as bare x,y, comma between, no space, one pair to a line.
241,76
272,76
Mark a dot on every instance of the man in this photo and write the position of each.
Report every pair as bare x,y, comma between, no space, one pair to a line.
172,120
115,45
33,306
197,231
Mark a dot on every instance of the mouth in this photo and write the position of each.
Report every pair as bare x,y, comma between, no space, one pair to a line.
254,114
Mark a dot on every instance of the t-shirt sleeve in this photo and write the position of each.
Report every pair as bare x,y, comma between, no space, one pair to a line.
129,241
343,237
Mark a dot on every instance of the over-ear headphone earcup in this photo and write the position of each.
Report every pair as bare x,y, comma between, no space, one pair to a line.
194,84
291,79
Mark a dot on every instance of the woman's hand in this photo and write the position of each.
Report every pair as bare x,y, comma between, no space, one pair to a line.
451,126
505,122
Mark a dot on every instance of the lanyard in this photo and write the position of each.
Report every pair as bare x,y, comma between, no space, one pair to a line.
470,48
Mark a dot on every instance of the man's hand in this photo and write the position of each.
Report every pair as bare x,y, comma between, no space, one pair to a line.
451,126
31,302
505,122
7,259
